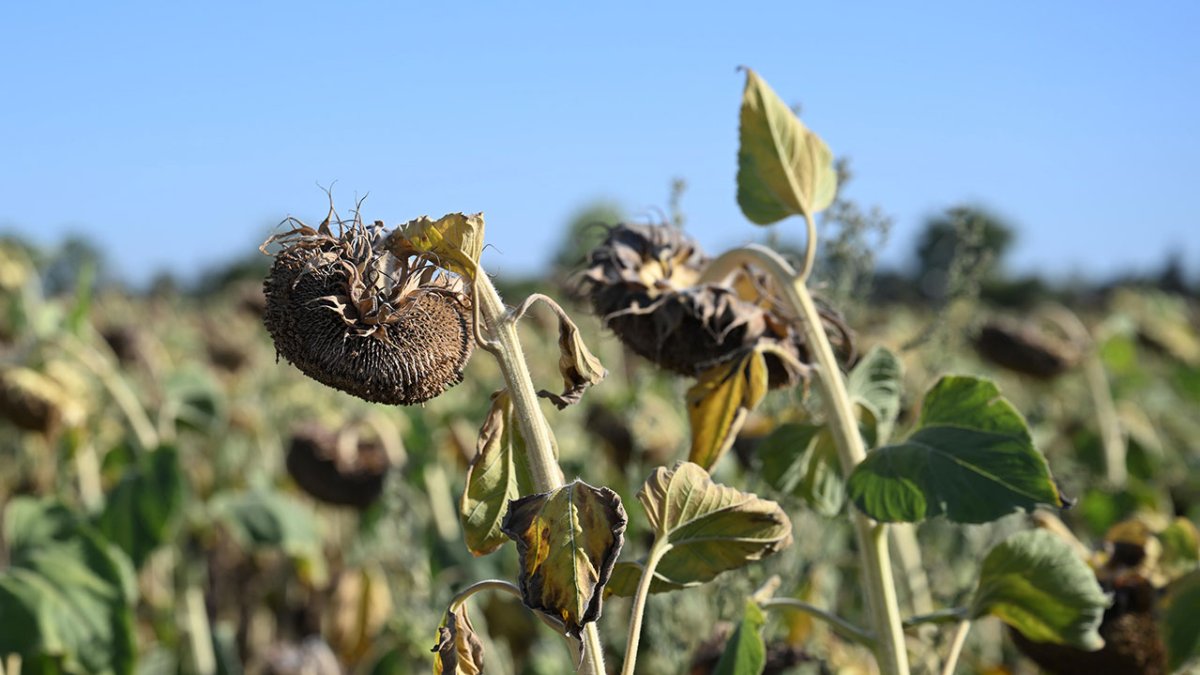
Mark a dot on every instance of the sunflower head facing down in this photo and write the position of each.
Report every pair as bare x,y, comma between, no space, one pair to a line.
350,313
644,281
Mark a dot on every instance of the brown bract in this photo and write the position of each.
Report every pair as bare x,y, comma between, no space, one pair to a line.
353,316
643,280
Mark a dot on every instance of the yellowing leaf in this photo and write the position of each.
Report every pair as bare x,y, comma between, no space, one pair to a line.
458,651
710,528
568,540
580,369
493,479
455,240
1034,582
783,168
718,404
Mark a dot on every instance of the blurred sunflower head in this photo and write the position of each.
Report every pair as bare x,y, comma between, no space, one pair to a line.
354,316
644,281
338,468
1025,347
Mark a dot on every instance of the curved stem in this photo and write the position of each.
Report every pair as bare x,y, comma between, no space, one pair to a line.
940,616
840,625
485,585
810,250
503,342
876,562
657,551
960,638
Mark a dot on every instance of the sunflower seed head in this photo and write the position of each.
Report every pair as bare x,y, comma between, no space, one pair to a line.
355,317
643,280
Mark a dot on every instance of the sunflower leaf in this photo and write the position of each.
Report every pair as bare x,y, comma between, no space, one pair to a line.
567,541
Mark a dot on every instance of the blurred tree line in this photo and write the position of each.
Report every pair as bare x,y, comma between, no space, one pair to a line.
959,253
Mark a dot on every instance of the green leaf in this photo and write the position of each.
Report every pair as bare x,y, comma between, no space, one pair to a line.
876,383
710,528
802,459
567,541
745,653
1036,583
971,459
262,519
719,402
1181,620
455,241
66,601
142,512
458,651
783,168
493,479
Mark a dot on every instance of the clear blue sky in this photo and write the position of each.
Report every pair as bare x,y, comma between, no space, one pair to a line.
175,133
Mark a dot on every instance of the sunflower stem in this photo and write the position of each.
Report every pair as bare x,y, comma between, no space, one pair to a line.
500,333
875,559
657,551
839,625
960,638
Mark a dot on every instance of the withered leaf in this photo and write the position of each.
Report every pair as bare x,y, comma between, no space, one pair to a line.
495,477
458,651
579,367
568,540
719,402
455,240
710,528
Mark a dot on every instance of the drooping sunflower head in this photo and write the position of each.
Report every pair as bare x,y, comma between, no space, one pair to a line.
645,283
351,314
337,467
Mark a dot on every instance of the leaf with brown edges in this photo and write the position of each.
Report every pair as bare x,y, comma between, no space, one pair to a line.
567,540
580,369
458,651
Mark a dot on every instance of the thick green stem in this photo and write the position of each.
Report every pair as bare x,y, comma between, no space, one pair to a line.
539,443
500,332
875,559
657,551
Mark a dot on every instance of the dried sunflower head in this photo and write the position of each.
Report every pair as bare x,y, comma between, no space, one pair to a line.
1025,348
37,401
352,315
337,468
643,281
